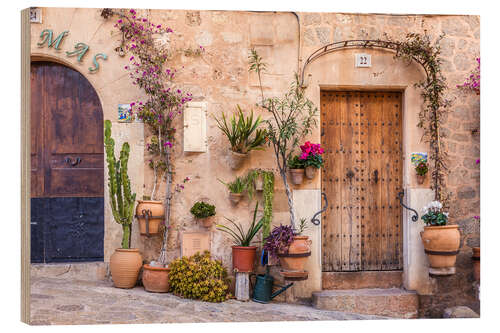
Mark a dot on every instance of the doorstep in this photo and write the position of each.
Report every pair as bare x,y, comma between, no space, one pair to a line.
361,280
84,271
390,302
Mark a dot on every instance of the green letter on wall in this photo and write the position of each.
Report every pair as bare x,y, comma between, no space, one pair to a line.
48,38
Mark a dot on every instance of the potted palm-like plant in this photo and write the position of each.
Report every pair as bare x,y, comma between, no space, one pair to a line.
125,262
243,251
421,170
441,240
236,188
204,212
243,135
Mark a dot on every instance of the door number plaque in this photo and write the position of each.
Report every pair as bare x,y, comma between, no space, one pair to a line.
363,60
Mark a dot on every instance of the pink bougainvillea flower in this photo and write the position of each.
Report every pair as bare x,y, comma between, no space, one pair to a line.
477,161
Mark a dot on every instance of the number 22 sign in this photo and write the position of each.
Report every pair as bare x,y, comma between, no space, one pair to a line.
363,60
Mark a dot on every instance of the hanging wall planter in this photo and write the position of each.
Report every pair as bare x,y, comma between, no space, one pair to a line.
235,198
476,263
441,244
298,252
420,179
236,160
155,279
204,213
150,214
297,176
311,172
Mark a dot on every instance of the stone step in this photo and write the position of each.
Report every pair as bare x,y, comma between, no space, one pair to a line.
84,271
390,302
362,280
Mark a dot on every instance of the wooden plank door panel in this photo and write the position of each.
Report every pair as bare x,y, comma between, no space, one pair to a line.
362,228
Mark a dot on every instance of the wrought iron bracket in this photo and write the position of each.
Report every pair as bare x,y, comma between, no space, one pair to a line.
315,219
147,215
414,218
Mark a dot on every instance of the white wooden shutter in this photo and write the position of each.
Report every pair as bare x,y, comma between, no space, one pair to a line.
195,127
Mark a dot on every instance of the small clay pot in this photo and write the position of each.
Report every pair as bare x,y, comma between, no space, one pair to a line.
297,176
420,179
259,183
235,197
125,265
156,208
311,172
476,263
155,279
298,252
243,258
236,160
441,244
207,222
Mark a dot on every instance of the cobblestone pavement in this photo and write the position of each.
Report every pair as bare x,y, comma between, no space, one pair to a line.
62,301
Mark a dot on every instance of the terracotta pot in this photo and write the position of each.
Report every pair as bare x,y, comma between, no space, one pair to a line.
235,197
243,258
311,172
236,160
207,222
420,179
441,244
298,252
476,263
156,208
125,265
155,279
297,176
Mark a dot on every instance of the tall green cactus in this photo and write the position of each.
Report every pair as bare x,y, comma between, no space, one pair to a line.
121,199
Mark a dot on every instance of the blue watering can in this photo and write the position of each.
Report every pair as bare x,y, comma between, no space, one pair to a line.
264,283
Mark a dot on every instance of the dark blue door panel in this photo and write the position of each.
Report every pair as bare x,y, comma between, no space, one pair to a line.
72,229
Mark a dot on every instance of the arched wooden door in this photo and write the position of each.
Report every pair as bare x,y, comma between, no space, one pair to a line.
67,175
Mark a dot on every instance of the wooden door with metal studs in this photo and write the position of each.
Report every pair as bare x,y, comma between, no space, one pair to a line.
361,134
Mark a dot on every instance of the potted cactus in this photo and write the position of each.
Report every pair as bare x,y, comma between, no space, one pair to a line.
125,262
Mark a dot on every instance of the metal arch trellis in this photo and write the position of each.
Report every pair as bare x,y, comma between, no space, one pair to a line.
350,44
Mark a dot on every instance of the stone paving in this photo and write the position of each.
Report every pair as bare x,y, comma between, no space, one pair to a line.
63,301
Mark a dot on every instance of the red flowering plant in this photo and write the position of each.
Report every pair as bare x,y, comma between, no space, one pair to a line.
473,82
164,100
311,154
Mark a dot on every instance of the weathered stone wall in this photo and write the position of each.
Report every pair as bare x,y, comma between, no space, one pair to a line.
220,78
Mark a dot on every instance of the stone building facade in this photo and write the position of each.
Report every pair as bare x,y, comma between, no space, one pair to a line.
220,78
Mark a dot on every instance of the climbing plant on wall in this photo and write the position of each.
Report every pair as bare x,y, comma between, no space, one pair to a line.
420,48
164,102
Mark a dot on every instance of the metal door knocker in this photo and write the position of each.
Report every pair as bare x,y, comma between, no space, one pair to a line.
70,161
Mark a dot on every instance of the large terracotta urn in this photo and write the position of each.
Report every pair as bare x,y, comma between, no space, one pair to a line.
298,252
441,244
154,208
125,265
155,279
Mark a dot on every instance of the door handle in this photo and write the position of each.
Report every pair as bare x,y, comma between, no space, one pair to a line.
350,174
375,176
70,161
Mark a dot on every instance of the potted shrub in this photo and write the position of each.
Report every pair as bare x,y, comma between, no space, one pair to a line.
311,156
290,246
243,251
296,167
125,263
441,240
236,188
204,212
421,170
243,135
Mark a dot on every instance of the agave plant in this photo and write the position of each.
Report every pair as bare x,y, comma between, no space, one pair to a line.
242,238
240,131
